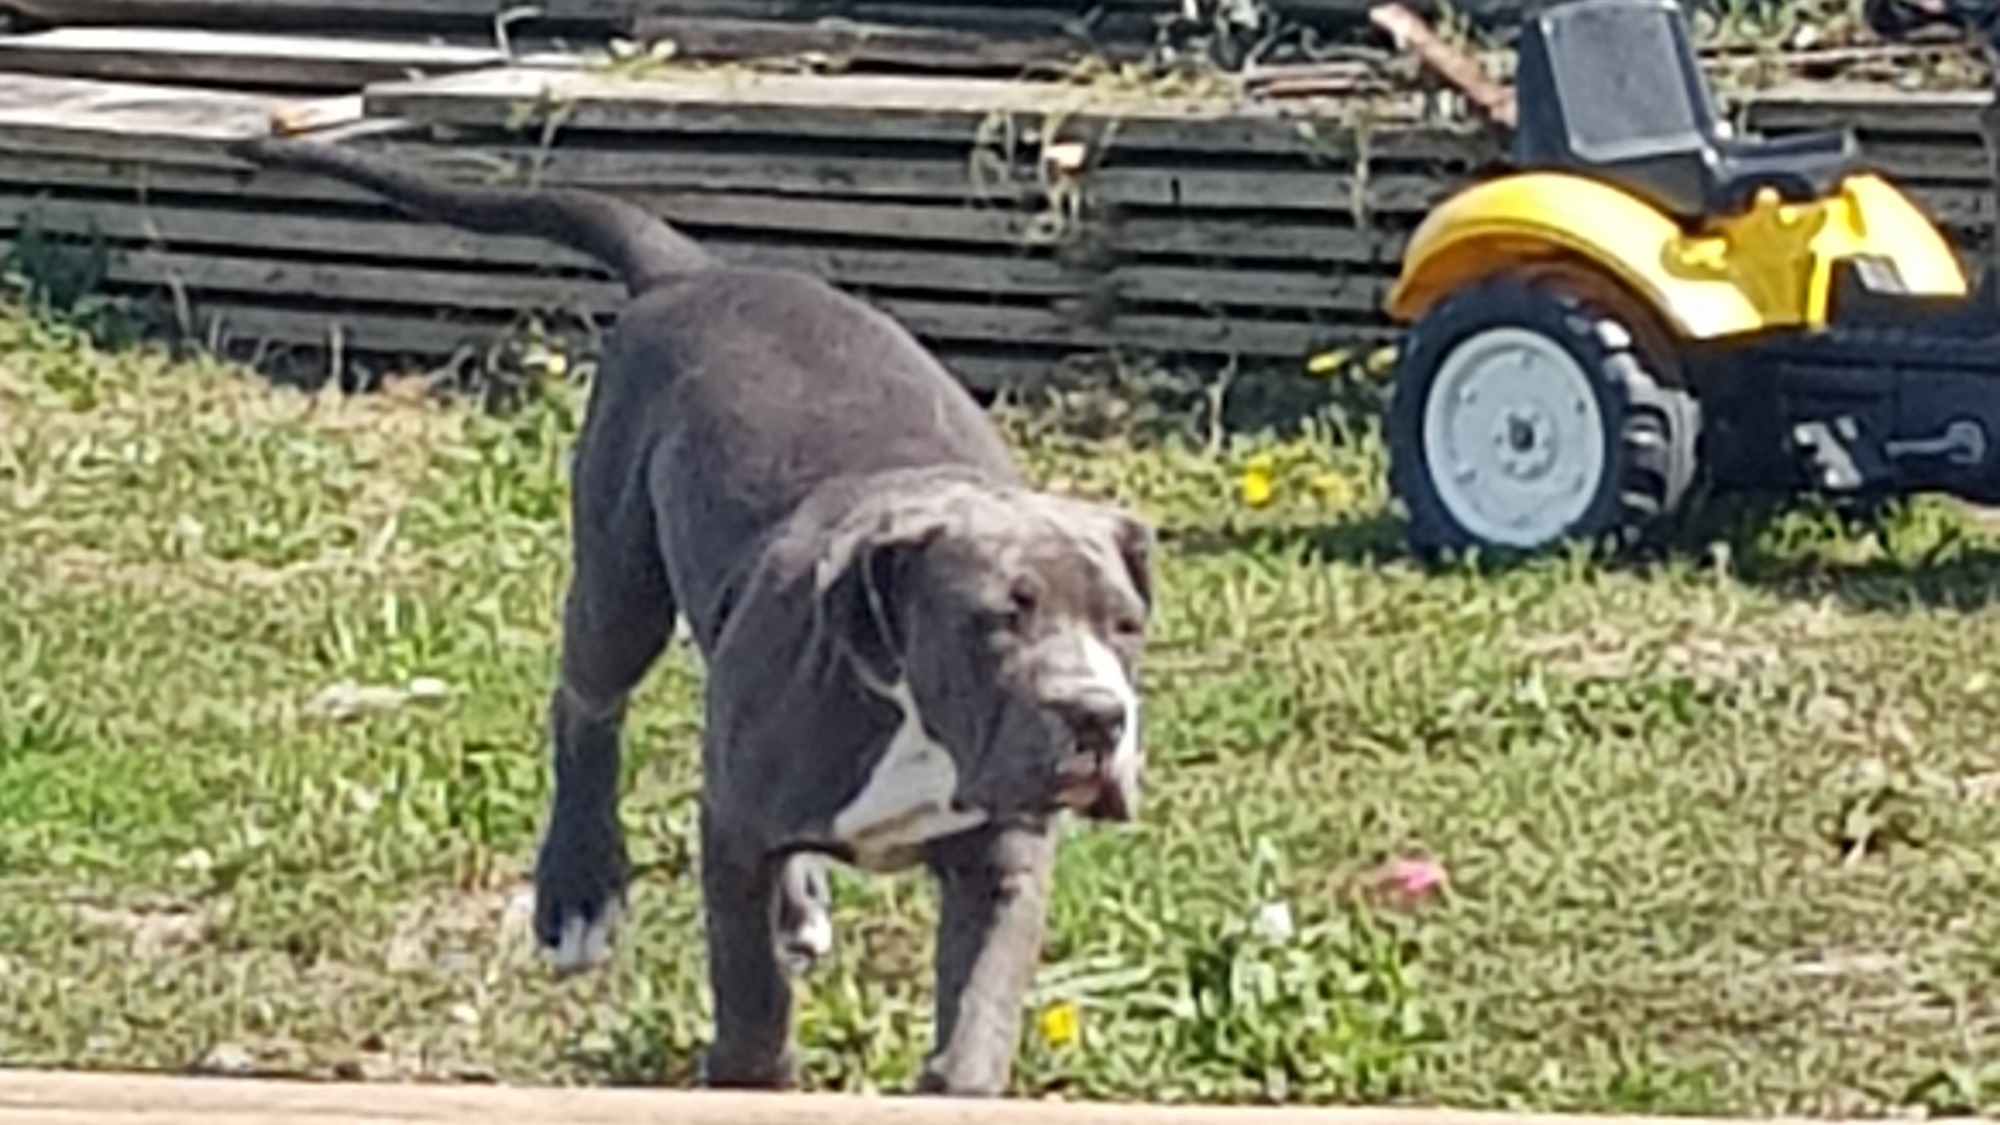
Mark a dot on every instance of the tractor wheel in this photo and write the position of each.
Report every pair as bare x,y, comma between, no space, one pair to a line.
1523,417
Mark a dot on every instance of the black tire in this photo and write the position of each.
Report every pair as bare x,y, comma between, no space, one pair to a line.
1651,430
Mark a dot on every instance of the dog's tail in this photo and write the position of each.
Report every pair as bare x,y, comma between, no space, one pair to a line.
632,242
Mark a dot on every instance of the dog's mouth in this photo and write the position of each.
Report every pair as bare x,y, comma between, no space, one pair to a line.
1098,786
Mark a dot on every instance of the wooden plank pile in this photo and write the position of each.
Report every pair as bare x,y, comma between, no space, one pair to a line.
1009,224
1015,225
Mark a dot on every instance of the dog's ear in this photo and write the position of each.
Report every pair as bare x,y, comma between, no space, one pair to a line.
862,581
1135,538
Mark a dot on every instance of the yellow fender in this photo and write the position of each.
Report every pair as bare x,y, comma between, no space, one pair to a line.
1767,267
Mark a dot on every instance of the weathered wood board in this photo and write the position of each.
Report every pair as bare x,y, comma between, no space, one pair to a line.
882,108
1077,22
236,60
79,117
850,43
1906,114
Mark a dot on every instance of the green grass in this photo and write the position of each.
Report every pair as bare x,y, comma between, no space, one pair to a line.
1720,832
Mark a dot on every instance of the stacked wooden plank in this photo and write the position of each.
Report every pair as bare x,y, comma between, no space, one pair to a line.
1198,230
1011,224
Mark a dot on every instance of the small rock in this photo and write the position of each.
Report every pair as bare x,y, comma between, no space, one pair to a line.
427,688
195,861
1274,921
227,1058
347,700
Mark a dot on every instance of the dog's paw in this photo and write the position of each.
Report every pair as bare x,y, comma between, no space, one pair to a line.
585,943
805,943
579,899
720,1068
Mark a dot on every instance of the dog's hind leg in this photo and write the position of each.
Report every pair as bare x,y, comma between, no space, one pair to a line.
618,616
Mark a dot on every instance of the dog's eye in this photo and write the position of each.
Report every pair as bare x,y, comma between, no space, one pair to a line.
1127,627
1020,605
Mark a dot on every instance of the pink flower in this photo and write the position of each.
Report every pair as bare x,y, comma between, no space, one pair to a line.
1413,879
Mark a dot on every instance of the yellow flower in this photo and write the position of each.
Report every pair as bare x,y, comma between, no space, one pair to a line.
555,364
1061,1024
1327,363
1334,489
1258,481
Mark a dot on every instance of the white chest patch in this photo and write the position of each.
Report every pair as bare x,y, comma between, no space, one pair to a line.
1109,675
907,800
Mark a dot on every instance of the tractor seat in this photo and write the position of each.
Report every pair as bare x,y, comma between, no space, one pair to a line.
1613,89
1801,166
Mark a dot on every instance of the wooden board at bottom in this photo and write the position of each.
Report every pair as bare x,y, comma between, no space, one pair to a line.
122,1099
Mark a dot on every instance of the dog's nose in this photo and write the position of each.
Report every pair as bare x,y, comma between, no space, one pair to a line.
1095,718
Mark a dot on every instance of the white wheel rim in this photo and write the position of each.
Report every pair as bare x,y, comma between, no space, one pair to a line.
1514,437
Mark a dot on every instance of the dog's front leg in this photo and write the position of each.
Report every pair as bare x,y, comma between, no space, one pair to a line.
740,883
995,895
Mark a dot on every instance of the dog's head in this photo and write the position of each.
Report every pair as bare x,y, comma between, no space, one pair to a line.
1014,620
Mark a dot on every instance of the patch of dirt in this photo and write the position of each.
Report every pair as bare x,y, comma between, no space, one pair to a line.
153,930
459,931
1709,653
395,428
86,568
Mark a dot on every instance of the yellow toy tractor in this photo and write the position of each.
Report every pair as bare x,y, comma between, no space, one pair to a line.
1645,302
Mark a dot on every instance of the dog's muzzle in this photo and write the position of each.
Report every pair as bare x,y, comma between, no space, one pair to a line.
1093,778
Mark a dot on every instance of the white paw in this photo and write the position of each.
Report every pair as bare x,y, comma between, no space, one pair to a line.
815,937
586,945
804,945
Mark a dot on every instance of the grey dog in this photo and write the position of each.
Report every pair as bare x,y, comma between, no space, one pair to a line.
911,656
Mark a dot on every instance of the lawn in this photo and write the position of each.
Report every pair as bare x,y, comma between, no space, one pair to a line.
1719,833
